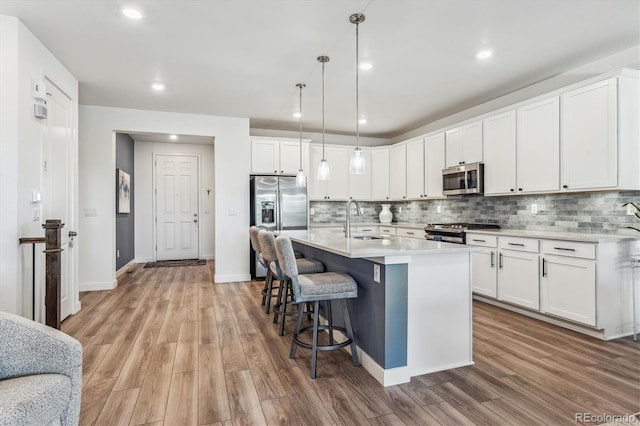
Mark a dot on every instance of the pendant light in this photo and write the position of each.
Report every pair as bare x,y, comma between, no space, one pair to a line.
301,179
356,165
323,169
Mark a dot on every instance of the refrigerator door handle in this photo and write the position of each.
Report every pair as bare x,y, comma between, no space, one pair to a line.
279,210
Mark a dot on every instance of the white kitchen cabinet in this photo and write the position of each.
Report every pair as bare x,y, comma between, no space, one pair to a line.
415,169
337,187
386,230
568,288
538,146
360,184
499,153
380,173
484,279
434,155
410,232
589,139
519,278
464,144
274,156
398,172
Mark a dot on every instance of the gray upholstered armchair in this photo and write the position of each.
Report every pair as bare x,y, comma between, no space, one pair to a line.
40,374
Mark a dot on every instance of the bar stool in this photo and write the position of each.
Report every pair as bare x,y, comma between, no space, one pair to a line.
310,266
316,288
255,244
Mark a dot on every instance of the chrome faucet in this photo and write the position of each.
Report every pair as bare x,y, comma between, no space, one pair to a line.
347,230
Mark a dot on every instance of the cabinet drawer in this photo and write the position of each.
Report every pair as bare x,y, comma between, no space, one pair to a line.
520,244
482,240
366,229
387,230
409,232
569,249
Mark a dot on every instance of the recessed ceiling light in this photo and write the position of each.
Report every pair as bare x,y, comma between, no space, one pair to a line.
173,137
484,54
365,66
158,87
297,115
362,121
132,13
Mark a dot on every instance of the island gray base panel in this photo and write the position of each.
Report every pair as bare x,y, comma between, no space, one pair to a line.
379,314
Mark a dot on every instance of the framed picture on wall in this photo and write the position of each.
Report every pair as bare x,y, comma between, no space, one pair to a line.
124,192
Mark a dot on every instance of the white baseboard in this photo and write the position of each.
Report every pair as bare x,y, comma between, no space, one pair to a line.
98,286
232,278
124,269
208,256
143,259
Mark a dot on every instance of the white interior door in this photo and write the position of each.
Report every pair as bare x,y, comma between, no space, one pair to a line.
59,154
176,207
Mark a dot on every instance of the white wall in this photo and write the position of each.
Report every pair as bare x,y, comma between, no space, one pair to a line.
144,156
23,59
627,58
97,174
316,137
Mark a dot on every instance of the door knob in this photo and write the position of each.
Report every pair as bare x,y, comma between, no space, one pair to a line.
73,234
195,220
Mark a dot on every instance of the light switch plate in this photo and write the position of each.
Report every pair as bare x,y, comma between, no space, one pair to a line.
312,211
90,212
376,272
534,208
438,209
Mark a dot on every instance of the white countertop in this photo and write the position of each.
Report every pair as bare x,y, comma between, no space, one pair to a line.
361,224
554,235
335,242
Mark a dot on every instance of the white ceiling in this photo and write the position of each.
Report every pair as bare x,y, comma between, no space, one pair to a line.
243,58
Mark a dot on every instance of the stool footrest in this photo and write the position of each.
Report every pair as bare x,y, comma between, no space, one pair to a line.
309,329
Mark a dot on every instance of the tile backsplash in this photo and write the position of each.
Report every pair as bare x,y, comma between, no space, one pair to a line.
589,212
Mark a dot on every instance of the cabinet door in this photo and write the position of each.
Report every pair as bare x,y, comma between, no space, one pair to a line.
453,146
380,174
538,146
484,277
518,278
289,157
568,288
434,163
398,172
316,189
499,146
338,184
589,142
415,169
265,156
472,142
360,185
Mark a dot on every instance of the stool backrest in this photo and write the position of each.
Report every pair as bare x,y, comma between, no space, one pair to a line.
253,234
286,257
268,245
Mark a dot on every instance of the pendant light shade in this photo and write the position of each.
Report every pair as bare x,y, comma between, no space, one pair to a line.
301,179
324,173
357,163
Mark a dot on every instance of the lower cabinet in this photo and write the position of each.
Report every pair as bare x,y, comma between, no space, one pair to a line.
484,279
518,278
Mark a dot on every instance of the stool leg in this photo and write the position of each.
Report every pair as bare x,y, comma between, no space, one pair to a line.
285,302
267,305
330,319
266,283
314,346
278,306
347,323
296,332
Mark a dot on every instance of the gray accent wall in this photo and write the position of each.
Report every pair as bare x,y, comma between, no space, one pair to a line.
125,222
587,212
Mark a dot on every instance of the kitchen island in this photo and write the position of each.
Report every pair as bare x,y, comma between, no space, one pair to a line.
413,311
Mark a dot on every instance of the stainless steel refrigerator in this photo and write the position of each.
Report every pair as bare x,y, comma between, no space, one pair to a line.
276,204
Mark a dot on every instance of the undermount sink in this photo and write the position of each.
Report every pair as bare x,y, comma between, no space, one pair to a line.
367,237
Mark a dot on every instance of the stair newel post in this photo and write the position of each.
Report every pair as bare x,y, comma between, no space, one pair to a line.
53,252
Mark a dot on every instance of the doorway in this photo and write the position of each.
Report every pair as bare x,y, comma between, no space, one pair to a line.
177,207
60,168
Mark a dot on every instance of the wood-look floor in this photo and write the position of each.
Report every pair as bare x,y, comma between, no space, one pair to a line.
169,347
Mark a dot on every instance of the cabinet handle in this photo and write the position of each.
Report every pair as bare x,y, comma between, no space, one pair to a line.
367,230
404,196
544,267
500,261
516,244
275,171
493,259
565,186
281,171
519,189
512,190
411,233
387,198
563,248
479,241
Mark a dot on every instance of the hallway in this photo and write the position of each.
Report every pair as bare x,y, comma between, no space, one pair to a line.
168,347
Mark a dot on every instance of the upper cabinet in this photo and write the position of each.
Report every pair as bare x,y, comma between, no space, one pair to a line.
275,156
398,172
360,184
415,169
499,153
380,173
434,154
464,144
337,187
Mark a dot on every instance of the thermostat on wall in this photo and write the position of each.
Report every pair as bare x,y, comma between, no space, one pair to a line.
39,90
39,111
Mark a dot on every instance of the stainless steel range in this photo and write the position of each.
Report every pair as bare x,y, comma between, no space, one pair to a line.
454,232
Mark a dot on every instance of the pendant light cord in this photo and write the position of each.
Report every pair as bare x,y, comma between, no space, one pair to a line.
357,89
301,85
323,149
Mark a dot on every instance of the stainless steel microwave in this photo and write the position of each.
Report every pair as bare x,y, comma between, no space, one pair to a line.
465,179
